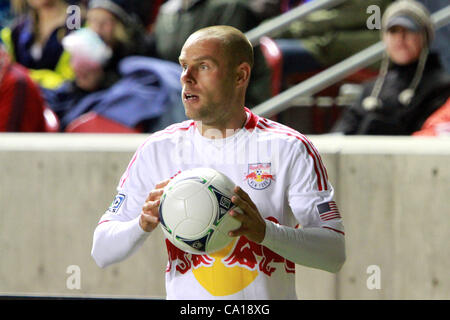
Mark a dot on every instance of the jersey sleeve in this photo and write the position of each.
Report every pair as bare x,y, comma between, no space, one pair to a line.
310,194
118,233
132,190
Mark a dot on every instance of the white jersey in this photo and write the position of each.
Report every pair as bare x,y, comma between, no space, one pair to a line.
283,174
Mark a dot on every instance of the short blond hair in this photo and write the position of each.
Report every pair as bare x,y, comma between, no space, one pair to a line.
235,44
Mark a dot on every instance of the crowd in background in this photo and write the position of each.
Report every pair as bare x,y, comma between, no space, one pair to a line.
121,62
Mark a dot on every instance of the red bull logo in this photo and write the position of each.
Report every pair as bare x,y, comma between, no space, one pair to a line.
185,261
231,269
259,176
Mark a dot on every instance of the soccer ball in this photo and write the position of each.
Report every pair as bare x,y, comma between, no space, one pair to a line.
194,211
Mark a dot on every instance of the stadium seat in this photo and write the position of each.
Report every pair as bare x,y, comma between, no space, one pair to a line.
322,119
287,5
274,58
92,122
51,120
156,4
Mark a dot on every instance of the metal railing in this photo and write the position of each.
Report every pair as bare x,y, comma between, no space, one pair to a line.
335,73
279,23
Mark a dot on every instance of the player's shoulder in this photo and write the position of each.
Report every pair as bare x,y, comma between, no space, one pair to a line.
169,133
174,128
280,131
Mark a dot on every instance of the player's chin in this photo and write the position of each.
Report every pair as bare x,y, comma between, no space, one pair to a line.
194,112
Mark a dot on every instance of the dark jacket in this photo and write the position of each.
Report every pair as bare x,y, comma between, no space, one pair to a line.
393,118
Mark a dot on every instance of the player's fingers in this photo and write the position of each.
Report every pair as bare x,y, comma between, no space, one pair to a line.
155,194
150,205
162,184
150,218
238,232
158,190
241,193
237,215
148,222
242,204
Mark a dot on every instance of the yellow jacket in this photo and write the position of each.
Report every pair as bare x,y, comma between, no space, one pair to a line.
46,78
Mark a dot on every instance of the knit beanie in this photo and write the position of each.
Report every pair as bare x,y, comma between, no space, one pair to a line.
410,14
119,8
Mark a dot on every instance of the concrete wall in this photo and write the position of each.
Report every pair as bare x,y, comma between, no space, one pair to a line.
392,192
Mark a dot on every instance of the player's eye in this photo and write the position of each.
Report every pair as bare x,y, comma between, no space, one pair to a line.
204,66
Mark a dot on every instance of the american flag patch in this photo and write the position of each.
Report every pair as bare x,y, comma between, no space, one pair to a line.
328,211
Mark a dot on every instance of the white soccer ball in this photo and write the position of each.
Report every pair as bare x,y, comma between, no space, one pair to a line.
194,211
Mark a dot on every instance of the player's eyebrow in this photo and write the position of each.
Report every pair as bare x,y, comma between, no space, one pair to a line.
201,58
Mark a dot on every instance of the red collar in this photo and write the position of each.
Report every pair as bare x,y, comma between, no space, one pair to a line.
252,119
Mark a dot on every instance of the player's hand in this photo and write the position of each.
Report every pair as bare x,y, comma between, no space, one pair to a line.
252,223
149,218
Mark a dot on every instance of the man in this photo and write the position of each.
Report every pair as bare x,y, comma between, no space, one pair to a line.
176,20
411,84
226,136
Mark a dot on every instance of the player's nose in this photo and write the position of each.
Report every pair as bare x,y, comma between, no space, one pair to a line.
187,76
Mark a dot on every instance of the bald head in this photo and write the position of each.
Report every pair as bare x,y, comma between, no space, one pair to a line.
236,47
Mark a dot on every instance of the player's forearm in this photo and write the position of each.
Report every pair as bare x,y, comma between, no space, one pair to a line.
318,248
114,241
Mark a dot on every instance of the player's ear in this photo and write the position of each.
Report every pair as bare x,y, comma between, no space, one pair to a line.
243,74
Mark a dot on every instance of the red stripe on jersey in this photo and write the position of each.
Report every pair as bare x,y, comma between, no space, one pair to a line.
103,221
251,121
169,130
317,162
317,154
296,133
338,231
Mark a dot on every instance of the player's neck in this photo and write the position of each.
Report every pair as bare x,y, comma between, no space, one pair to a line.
225,128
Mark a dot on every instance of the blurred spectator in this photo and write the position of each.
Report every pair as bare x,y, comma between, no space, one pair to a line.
34,41
438,124
120,28
327,36
113,33
411,84
177,19
6,14
145,94
21,105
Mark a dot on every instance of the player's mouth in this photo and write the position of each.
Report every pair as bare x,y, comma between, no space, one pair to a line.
189,97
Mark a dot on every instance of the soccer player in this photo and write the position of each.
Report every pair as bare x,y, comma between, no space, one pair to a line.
289,215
